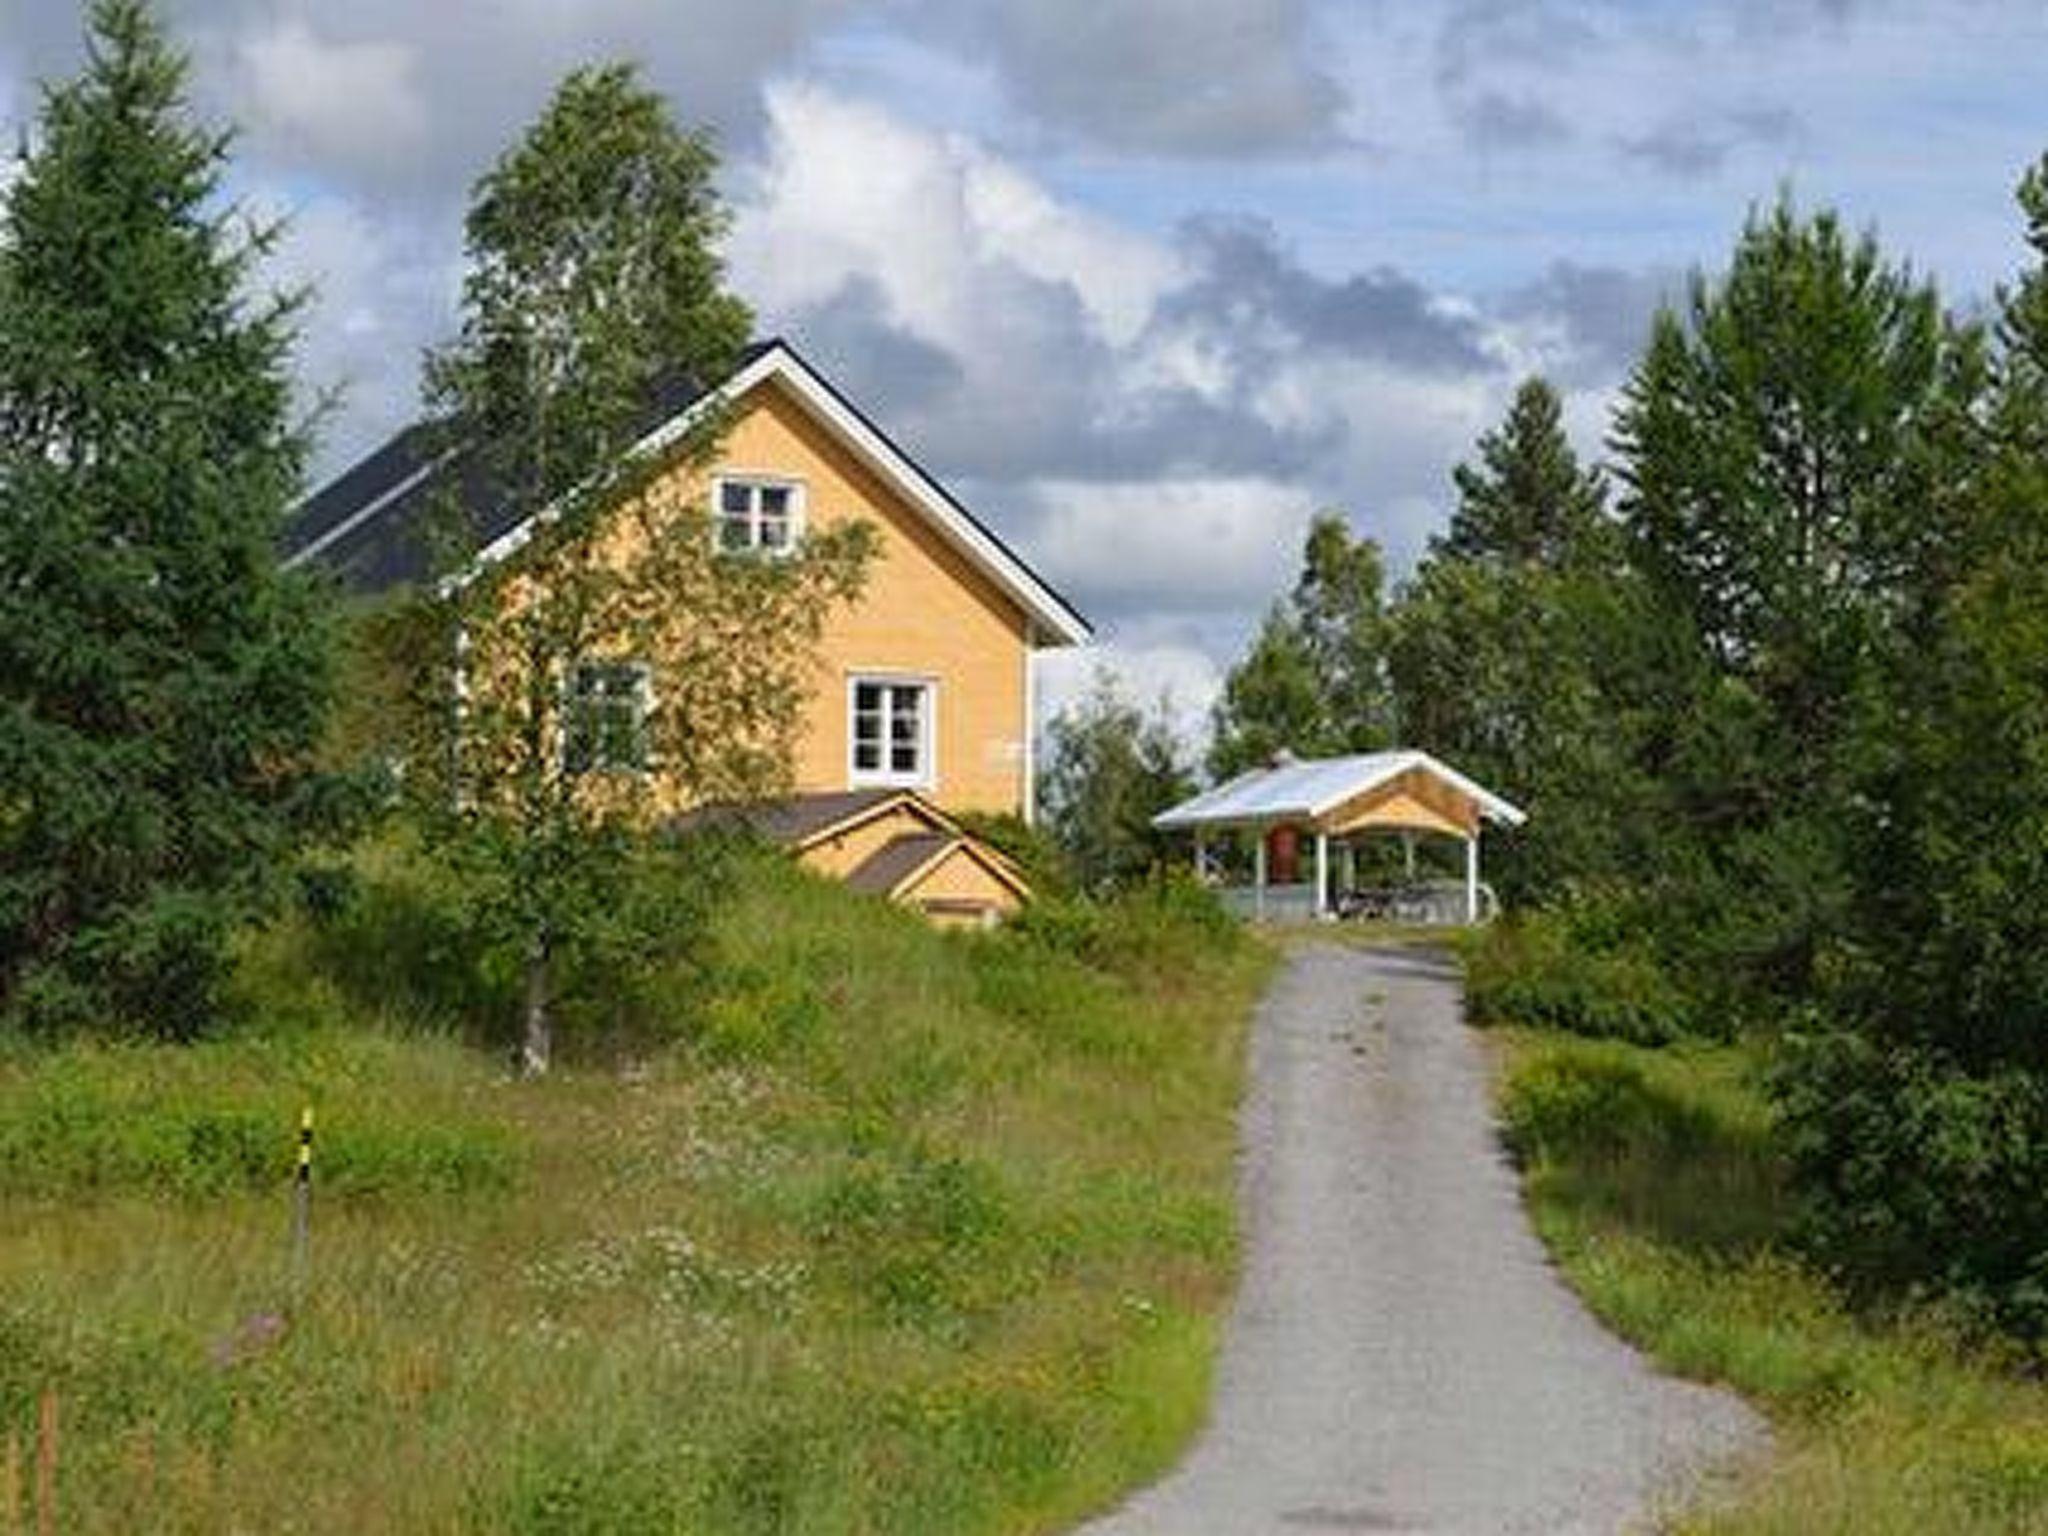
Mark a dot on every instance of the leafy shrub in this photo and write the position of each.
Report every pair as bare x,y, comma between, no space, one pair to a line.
1136,929
405,936
1920,1176
1561,1107
1536,970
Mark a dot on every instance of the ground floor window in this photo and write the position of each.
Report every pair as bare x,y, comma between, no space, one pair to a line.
891,730
604,719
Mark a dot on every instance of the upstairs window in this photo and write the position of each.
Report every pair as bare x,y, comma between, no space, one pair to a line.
891,731
757,515
604,721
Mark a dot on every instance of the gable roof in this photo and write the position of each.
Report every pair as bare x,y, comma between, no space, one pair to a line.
369,523
1306,789
891,866
798,821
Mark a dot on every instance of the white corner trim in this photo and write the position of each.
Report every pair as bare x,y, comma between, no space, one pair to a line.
1028,806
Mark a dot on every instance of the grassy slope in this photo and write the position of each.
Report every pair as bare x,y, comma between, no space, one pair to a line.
1649,1174
916,1233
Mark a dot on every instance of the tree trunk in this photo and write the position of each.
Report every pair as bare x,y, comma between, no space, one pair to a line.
536,1045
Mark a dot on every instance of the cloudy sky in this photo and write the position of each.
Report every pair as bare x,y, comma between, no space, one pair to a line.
1146,281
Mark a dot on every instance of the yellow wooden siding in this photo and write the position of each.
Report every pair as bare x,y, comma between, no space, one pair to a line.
959,880
926,614
1414,800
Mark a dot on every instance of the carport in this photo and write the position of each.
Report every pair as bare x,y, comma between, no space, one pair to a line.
1329,803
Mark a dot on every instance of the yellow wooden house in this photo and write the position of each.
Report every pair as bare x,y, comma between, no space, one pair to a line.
922,705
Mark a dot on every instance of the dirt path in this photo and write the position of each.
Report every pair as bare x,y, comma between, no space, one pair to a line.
1401,1356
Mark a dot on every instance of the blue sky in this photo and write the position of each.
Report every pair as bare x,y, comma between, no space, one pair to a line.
1149,281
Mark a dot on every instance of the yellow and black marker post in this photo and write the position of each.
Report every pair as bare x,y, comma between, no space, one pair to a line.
302,1199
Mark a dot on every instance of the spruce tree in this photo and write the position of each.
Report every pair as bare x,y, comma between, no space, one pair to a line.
161,680
1527,500
1508,648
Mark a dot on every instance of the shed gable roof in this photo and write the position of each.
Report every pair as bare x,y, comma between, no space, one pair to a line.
1313,787
369,523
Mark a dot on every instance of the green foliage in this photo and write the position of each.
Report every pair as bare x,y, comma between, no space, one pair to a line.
1659,1190
1272,702
1528,501
1026,844
1554,971
1921,1175
1918,1101
593,267
593,283
899,1230
202,1121
1314,681
1516,653
1563,1107
1788,451
1110,768
1141,927
161,680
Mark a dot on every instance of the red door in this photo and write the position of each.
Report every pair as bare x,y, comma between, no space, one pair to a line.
1283,856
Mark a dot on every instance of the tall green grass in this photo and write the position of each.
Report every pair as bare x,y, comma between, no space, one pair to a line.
1652,1177
884,1230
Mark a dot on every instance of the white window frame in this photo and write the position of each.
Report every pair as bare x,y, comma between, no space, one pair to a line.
643,708
926,774
754,482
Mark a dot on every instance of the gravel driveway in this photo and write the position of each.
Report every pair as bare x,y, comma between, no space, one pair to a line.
1401,1356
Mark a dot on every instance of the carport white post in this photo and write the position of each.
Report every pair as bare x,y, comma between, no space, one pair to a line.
1322,875
1472,877
1259,873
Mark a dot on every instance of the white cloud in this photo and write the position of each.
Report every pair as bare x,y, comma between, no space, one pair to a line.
1184,680
1171,544
356,102
848,190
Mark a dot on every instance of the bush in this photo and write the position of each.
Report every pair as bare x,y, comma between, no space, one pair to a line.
1919,1176
401,936
1136,929
1564,1107
1543,971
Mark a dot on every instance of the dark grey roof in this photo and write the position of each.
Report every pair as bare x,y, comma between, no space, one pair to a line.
373,525
793,820
898,859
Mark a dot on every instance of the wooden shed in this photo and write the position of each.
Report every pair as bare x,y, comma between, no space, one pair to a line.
891,843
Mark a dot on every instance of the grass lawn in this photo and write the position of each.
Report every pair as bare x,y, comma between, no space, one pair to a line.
1649,1174
903,1232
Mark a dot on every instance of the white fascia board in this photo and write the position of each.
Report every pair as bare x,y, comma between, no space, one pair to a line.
1490,804
1038,603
